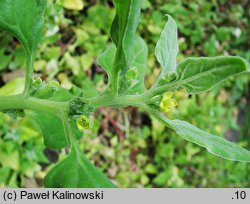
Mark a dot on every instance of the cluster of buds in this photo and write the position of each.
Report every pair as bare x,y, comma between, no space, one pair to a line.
81,112
43,90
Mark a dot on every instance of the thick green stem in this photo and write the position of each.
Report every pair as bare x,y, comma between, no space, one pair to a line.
19,102
128,100
30,103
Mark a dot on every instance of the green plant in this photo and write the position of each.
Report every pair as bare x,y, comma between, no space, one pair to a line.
61,114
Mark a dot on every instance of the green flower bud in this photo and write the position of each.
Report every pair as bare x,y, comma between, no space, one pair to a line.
132,73
170,77
79,107
129,80
44,90
37,82
84,123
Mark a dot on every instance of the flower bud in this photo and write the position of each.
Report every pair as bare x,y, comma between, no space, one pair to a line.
132,73
44,90
37,82
170,77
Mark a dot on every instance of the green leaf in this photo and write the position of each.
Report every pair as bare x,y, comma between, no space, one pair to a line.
126,21
13,87
197,75
52,129
140,55
167,47
9,159
54,138
214,144
24,19
5,60
123,34
5,173
76,171
106,60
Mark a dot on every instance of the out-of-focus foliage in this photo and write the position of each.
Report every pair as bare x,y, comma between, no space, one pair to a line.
134,149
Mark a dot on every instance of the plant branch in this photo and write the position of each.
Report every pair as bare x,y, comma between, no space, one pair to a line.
117,101
35,104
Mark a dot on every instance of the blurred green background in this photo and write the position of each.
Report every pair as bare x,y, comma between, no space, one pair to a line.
132,148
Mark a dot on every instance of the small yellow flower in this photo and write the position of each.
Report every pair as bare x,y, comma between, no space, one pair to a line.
167,102
84,123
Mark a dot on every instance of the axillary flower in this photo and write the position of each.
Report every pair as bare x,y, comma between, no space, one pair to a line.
132,73
167,102
84,123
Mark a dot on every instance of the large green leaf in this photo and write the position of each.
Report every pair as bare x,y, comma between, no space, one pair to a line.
197,75
123,33
76,171
51,126
214,144
52,129
167,48
24,19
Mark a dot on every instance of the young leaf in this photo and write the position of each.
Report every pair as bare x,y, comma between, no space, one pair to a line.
123,34
140,55
24,19
197,75
215,145
106,60
76,171
126,21
167,47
